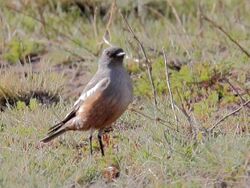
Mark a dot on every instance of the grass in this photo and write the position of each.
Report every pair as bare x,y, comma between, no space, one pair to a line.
143,154
48,49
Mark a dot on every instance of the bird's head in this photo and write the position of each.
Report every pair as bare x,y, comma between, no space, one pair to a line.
112,56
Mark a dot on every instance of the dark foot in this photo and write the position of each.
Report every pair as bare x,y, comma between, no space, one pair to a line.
90,145
101,144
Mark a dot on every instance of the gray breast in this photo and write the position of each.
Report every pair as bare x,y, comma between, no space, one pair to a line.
120,87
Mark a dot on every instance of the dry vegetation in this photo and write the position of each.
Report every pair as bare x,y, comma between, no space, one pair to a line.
189,123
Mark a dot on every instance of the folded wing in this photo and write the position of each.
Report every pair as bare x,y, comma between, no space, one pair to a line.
96,89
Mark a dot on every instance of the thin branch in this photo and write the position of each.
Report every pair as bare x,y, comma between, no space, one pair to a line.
236,91
94,23
228,115
190,119
177,17
169,88
162,121
214,24
183,110
111,15
148,63
105,40
106,36
242,100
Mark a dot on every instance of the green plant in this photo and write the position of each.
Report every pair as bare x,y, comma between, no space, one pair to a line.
18,49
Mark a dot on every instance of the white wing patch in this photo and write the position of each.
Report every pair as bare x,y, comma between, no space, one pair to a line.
101,84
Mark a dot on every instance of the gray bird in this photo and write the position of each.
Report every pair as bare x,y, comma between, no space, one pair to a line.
103,100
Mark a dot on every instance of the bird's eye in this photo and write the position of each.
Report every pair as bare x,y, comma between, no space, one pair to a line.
109,54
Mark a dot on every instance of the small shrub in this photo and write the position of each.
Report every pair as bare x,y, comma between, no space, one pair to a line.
33,104
17,49
20,105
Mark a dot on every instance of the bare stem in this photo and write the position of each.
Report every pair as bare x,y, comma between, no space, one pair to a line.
228,115
177,17
214,24
106,36
169,88
236,91
162,121
148,63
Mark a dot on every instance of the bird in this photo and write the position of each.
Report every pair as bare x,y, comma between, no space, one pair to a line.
104,99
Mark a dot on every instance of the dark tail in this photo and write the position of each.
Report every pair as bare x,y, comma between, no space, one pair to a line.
55,127
53,135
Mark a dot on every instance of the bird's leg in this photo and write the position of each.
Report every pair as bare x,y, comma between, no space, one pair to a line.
90,142
100,141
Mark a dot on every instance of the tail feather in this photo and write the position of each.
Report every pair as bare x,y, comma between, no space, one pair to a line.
53,135
56,125
55,128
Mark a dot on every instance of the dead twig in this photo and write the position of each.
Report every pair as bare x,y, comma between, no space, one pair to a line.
228,115
214,24
236,91
183,110
191,119
148,63
94,23
177,17
169,88
182,136
242,100
107,36
162,121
